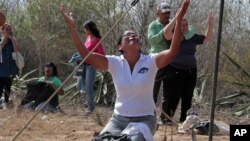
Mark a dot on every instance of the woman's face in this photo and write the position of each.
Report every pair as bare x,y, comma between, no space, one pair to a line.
87,31
130,39
7,30
184,26
48,71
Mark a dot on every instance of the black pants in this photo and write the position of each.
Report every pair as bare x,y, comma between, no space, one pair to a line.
5,84
180,86
160,77
39,92
45,95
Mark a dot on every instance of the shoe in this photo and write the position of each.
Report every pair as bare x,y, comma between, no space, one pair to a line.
85,105
164,122
161,122
87,113
4,106
169,123
59,109
1,101
29,105
82,92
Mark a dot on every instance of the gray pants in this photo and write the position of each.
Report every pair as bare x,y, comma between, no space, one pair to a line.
118,123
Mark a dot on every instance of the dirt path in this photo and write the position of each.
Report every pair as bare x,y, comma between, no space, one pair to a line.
73,126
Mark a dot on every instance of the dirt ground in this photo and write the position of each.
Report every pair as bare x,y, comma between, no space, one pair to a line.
75,126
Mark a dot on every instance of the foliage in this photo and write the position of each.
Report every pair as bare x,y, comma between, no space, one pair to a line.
242,96
104,89
19,82
43,37
199,91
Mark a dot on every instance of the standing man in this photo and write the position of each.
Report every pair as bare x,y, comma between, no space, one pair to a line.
158,33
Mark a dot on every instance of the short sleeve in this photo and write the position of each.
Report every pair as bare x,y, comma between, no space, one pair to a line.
113,63
153,59
41,79
199,38
56,82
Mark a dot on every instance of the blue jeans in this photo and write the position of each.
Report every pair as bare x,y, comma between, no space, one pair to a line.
118,123
86,82
79,85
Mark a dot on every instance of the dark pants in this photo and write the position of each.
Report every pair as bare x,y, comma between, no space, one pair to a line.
159,78
39,92
180,86
5,84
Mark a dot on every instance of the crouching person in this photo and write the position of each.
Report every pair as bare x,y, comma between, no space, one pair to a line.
40,91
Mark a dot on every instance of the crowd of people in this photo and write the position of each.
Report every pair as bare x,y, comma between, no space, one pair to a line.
137,76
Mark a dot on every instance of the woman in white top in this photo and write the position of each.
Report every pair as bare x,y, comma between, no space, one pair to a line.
133,74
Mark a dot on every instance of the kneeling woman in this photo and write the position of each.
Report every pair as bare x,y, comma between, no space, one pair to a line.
133,74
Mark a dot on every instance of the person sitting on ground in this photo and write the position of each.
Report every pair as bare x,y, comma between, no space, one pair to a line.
133,74
40,91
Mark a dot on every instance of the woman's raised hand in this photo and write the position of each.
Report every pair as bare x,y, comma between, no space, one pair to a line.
68,19
211,18
183,9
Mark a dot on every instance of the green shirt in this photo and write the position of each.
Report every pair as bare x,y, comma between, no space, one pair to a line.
53,80
157,40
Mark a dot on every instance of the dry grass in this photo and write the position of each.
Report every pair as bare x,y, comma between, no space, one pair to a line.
74,126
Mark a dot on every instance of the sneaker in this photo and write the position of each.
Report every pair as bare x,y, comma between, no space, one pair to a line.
59,109
29,105
161,122
169,123
85,105
1,101
87,113
82,92
4,106
164,122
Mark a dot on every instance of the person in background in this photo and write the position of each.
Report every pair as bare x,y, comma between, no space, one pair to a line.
51,78
133,74
76,60
158,43
181,73
40,91
8,68
158,31
87,80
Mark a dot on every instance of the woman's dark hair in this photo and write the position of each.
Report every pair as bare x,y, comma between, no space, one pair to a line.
120,39
90,25
119,43
53,66
5,25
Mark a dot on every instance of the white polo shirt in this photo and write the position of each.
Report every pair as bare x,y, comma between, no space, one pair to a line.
134,90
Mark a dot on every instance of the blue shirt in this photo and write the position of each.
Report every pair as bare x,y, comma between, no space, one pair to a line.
8,66
186,57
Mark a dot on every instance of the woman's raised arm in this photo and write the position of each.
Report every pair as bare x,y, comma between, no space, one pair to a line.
166,56
210,29
97,60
